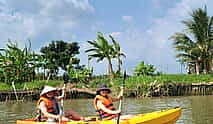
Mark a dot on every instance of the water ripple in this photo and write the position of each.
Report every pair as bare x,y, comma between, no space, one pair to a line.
196,109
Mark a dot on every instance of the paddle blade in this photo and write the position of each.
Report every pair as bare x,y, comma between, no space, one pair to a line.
125,74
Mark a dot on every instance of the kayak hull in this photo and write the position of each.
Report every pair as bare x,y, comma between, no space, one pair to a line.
169,116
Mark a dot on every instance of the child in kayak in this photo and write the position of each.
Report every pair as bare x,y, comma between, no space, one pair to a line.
103,103
49,108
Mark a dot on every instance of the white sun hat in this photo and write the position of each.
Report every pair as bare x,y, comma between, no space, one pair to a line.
47,89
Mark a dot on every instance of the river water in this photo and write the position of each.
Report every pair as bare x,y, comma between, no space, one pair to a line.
196,109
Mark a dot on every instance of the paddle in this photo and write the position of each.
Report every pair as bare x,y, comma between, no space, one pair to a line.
120,105
62,103
66,79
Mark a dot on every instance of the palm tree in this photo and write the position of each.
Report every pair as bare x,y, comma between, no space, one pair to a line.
102,50
195,46
117,54
187,51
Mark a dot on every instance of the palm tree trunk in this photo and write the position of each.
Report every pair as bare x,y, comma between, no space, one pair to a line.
111,72
5,77
205,70
197,68
119,65
211,66
44,74
39,77
88,63
48,78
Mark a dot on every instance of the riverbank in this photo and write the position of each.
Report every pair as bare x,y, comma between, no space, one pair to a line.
142,86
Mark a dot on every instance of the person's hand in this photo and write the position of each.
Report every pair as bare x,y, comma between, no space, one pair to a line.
65,119
58,117
83,118
121,97
122,87
62,118
63,88
117,111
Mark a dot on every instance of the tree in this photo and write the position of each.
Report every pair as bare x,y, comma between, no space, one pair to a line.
117,54
144,69
188,52
195,47
101,50
58,54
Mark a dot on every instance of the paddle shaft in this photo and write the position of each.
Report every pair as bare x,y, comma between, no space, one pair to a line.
120,107
121,100
62,103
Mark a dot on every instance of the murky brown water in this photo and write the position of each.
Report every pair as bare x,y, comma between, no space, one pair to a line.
196,109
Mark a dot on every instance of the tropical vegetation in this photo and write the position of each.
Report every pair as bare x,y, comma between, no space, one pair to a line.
144,69
102,49
57,55
195,46
17,65
24,65
131,82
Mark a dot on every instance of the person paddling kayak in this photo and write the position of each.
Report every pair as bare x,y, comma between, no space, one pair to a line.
49,108
103,103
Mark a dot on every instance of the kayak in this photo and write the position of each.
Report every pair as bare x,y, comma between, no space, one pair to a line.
169,116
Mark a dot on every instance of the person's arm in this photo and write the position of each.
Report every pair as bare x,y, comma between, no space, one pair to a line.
62,97
101,106
120,96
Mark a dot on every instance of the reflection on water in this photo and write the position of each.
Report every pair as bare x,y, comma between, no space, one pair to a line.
196,109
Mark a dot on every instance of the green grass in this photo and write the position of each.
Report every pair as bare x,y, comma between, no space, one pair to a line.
131,82
135,81
168,78
30,85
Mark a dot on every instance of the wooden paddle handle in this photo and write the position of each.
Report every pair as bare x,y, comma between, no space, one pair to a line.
120,105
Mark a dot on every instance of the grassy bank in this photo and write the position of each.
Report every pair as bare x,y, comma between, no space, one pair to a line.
131,82
30,85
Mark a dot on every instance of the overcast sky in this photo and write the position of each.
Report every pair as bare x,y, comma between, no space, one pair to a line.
142,27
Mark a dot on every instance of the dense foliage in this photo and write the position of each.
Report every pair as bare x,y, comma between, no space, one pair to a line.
58,54
16,64
195,46
144,69
23,65
78,73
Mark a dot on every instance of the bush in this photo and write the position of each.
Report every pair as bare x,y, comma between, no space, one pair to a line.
144,69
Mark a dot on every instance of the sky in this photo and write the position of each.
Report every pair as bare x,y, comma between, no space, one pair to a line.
142,27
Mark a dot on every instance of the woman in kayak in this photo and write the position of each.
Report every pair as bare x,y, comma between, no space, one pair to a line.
103,103
49,108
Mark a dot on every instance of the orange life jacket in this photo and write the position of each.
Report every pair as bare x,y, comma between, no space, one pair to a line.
107,102
51,108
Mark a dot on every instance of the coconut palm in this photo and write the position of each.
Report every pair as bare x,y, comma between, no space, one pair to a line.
102,50
187,51
117,54
195,45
